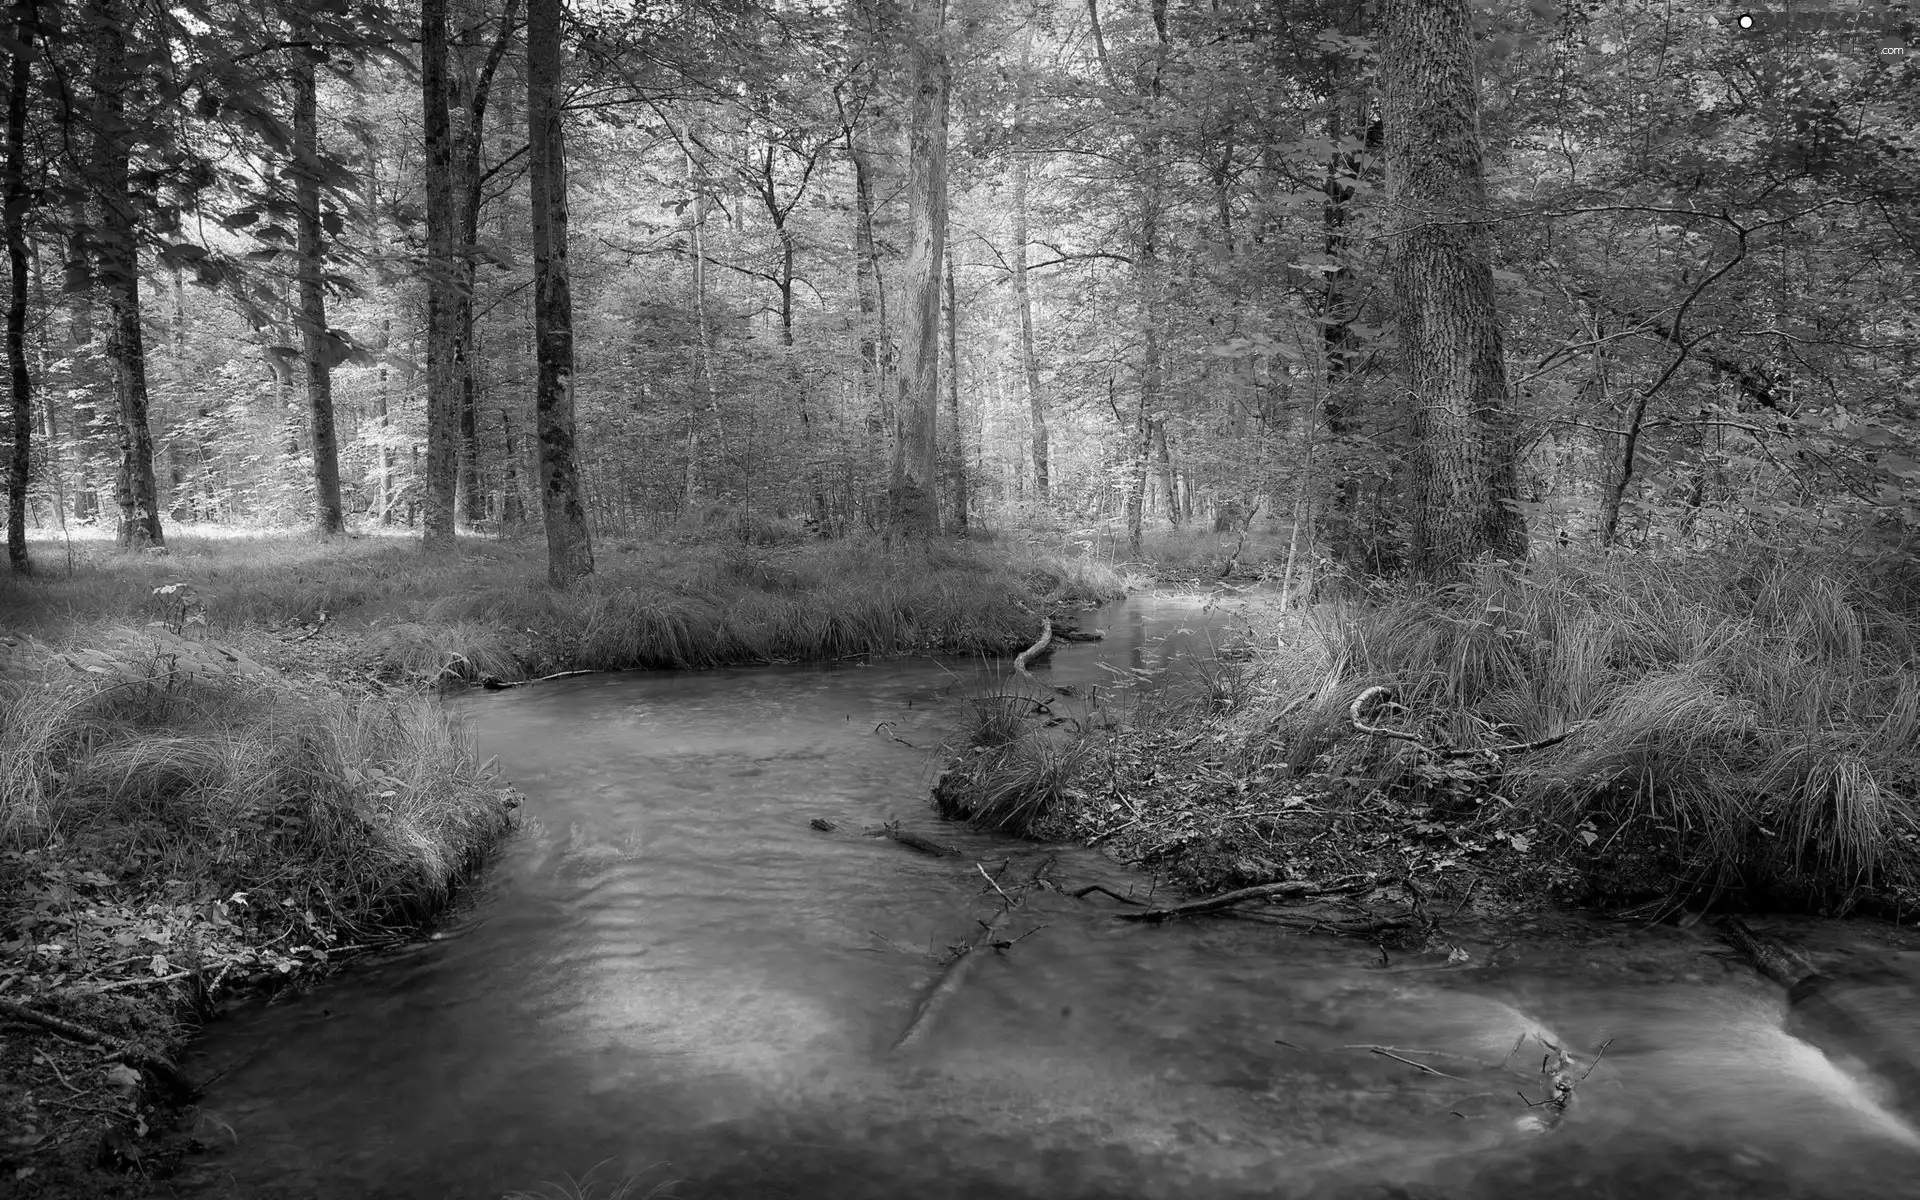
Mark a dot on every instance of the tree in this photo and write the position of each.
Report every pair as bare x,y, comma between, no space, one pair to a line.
569,546
318,349
472,195
1022,292
1464,491
913,500
26,26
443,283
116,251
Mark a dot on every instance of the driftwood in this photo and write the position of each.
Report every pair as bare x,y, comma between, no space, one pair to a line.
1103,889
1768,957
954,973
1066,633
913,841
1286,889
1026,656
1355,929
1377,692
495,684
161,1068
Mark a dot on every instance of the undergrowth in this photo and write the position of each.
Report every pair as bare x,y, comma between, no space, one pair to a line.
1739,728
661,601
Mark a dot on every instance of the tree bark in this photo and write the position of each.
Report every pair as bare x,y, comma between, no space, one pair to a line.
472,180
117,257
1339,344
913,493
569,546
328,517
957,452
19,467
443,285
1022,295
1462,466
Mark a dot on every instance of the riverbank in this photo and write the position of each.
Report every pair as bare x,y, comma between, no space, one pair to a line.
1613,732
181,825
220,772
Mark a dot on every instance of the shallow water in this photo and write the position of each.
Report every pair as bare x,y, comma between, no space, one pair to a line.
669,975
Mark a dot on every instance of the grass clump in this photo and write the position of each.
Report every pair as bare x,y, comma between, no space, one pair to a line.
1015,778
178,822
360,810
1741,727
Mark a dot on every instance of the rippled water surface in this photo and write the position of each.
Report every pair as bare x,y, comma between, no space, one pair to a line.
670,975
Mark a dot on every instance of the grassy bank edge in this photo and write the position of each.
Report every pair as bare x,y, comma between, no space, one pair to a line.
176,841
1738,733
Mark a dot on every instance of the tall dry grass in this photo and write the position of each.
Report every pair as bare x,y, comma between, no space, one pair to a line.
1758,712
364,810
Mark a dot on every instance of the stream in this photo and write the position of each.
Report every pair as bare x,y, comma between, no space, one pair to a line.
667,976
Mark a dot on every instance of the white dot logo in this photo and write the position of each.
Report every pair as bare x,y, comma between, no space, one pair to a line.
1745,21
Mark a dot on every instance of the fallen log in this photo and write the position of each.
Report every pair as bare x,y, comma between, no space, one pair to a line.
1026,656
1069,634
914,841
1768,957
954,973
1286,889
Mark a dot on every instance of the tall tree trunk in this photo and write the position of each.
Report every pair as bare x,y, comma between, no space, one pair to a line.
385,411
1169,479
513,508
1339,343
873,313
1146,267
569,547
957,452
1022,295
1462,464
912,494
328,516
19,466
443,284
472,183
117,256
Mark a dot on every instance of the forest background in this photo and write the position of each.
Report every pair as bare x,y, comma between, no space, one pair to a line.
1138,255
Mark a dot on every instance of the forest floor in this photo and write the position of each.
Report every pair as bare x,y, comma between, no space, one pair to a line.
221,772
1622,733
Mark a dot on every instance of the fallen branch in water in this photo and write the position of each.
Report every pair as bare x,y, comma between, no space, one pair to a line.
1768,957
1419,1066
955,972
1104,890
1025,656
494,684
1287,889
913,841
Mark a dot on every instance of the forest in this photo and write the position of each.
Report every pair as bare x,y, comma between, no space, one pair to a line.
1535,381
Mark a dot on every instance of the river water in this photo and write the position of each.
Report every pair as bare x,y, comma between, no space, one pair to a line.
669,977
